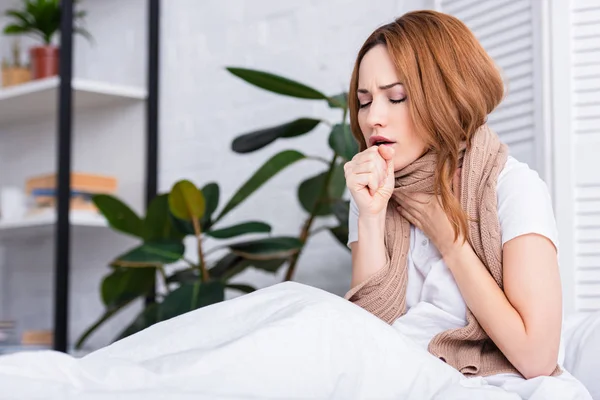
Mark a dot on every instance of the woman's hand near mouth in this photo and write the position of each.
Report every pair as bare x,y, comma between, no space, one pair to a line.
370,179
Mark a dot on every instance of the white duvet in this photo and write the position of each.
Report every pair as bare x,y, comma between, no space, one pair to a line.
288,341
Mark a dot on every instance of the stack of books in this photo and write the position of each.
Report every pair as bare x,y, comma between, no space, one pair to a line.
42,191
6,331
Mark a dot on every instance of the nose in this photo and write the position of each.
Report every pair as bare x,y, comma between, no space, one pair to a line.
377,114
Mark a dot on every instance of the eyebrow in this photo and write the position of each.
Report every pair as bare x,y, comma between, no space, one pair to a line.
384,87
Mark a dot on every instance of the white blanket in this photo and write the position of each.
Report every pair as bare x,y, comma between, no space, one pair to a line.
288,341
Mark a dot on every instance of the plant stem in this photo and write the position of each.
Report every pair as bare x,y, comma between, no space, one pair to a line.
203,269
213,249
320,229
195,296
317,158
309,221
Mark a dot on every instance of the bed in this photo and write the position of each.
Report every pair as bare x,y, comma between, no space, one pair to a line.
286,341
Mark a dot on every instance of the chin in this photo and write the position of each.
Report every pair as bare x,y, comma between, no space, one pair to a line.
399,164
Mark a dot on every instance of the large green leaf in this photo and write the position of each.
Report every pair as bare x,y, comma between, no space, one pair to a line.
146,318
188,275
277,84
228,266
108,314
270,265
268,248
158,223
273,166
241,288
152,254
340,233
232,264
253,141
124,284
186,201
240,229
188,297
119,216
309,191
338,101
341,210
211,194
342,142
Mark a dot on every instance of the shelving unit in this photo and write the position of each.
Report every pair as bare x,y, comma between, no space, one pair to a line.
37,99
28,108
43,224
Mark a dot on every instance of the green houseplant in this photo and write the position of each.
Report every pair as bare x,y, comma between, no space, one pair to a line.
171,217
187,210
40,19
320,195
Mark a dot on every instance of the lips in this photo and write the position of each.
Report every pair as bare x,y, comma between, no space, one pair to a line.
378,140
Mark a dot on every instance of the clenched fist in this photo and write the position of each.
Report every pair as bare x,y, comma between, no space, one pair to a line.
370,178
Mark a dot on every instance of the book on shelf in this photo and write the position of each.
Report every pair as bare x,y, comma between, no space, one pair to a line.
42,191
7,330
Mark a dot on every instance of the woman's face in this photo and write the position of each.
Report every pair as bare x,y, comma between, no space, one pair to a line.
383,114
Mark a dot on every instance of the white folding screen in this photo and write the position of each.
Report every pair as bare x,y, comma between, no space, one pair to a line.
549,52
585,96
508,30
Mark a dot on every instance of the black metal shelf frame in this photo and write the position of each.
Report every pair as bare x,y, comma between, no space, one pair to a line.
62,250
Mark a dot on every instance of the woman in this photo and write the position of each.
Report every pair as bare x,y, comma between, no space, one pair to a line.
477,288
453,241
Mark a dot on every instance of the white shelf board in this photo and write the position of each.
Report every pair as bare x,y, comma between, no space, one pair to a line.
39,98
19,348
44,224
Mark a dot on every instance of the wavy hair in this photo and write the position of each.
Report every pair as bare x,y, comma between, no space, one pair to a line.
452,85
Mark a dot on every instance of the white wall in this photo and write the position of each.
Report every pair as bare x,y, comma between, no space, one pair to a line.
203,107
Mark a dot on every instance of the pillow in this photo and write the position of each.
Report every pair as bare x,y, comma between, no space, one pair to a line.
582,349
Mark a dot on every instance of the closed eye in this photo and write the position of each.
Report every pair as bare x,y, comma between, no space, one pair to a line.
393,101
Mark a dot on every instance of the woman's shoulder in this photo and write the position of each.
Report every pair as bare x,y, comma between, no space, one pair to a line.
524,202
518,173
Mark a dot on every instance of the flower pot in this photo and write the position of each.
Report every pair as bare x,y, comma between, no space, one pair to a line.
15,76
44,61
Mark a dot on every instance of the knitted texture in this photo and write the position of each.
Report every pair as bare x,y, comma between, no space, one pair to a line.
468,349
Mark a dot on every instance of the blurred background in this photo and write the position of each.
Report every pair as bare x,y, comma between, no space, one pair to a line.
252,134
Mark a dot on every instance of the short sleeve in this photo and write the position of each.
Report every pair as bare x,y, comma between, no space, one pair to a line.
524,203
352,222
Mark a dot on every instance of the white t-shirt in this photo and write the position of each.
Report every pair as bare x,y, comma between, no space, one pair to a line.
433,301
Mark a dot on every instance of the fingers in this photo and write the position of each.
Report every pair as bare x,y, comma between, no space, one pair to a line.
386,152
409,216
370,154
374,183
368,163
369,166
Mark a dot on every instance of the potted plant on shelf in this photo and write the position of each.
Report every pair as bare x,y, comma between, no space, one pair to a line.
41,20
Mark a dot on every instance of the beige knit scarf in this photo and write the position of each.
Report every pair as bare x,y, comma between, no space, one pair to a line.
468,349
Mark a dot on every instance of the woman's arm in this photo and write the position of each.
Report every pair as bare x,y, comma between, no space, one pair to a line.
368,253
524,321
